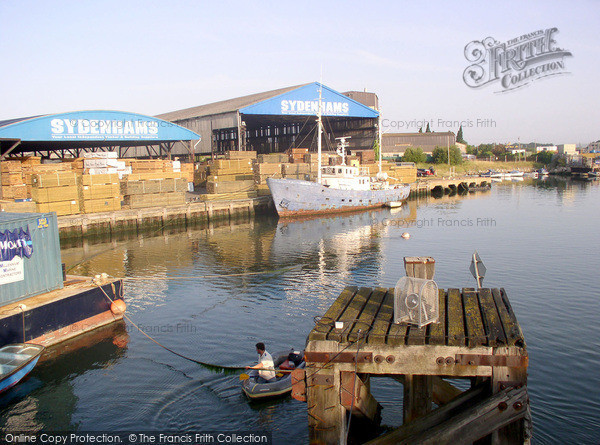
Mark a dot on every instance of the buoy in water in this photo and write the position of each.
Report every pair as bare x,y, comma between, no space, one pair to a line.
117,307
406,235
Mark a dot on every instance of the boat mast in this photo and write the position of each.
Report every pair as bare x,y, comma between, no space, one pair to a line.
320,130
380,139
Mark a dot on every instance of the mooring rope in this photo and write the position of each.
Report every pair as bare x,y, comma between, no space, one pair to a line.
210,366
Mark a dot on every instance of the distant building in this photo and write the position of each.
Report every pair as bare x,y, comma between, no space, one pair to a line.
593,147
514,151
546,148
567,149
395,144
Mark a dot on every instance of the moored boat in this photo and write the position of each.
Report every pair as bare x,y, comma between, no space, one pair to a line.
16,361
339,188
285,362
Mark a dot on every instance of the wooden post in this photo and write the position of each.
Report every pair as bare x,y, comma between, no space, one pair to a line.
418,389
326,415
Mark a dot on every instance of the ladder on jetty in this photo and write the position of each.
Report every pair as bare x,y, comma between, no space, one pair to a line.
477,338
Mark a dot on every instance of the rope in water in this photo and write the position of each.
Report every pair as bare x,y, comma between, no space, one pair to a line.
207,365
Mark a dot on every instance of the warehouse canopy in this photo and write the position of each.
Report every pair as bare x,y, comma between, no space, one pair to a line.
304,101
88,129
281,102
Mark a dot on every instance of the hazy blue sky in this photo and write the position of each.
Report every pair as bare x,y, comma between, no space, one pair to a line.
152,57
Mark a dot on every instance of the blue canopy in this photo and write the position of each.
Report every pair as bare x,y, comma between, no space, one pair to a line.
305,101
95,125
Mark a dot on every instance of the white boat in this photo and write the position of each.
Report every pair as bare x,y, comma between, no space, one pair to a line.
338,188
394,204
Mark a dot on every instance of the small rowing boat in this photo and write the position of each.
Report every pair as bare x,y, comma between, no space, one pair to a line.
285,362
16,361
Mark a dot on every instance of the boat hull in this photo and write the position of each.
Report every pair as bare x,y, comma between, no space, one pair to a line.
19,366
295,197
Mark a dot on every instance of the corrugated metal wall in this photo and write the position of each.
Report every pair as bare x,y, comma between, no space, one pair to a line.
43,270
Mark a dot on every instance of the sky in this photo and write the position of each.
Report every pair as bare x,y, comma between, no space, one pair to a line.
153,57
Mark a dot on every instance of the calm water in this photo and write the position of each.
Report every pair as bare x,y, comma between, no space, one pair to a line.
538,240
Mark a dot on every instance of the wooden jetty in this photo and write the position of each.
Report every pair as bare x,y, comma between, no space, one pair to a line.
425,186
477,338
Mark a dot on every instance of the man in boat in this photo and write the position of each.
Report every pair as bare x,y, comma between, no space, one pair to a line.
265,365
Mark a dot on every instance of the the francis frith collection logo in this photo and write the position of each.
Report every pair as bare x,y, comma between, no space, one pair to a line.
516,62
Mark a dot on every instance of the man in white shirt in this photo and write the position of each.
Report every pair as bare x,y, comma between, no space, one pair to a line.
265,364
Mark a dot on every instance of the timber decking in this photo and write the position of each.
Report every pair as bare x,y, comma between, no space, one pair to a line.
469,318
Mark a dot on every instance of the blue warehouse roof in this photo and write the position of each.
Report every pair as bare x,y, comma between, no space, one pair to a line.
94,126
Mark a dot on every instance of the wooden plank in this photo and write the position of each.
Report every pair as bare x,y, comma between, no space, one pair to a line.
437,331
419,267
368,315
521,337
455,323
491,319
432,419
416,335
384,318
464,423
474,324
364,404
350,315
326,323
396,335
512,330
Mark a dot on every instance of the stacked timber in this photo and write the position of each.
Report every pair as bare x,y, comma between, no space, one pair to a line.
398,173
99,193
235,154
104,163
365,156
56,192
13,183
266,170
141,193
273,158
296,155
298,171
231,179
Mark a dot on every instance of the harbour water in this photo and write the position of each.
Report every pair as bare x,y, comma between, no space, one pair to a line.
212,292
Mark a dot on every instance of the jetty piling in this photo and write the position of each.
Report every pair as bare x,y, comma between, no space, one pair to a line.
477,338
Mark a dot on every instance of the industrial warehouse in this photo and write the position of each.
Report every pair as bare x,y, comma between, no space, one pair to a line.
275,121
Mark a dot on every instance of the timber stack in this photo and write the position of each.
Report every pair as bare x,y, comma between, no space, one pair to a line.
477,338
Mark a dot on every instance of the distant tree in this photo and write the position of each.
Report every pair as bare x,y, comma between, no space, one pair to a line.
544,157
420,129
414,154
376,147
440,155
459,136
427,130
498,150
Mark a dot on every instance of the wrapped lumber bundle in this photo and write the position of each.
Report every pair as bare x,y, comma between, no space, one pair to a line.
220,167
153,192
200,175
235,154
154,200
187,170
99,193
365,156
56,192
262,171
17,206
296,155
31,169
403,173
273,158
230,186
13,183
228,196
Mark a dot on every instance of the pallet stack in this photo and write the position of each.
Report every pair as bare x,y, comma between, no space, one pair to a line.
99,193
56,192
